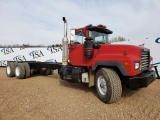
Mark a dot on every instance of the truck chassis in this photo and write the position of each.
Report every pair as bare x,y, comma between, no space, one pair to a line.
98,63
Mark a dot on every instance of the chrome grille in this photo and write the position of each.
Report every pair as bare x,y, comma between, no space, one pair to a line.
145,59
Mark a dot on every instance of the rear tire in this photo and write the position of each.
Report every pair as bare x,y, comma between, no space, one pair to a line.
27,70
10,69
51,72
42,70
20,71
108,85
47,71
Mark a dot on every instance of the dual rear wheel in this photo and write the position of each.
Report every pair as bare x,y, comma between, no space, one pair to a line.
22,70
18,70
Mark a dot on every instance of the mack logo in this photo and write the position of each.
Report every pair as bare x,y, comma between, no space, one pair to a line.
7,51
36,54
54,50
3,63
157,40
19,58
142,45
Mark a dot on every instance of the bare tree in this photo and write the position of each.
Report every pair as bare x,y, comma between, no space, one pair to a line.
117,39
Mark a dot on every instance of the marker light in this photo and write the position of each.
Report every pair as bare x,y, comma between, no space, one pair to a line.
102,26
89,25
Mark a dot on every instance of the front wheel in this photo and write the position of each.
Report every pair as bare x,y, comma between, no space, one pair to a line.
108,85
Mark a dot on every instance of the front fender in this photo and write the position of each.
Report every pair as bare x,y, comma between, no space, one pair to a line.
111,64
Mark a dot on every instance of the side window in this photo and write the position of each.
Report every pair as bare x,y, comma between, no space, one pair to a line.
79,37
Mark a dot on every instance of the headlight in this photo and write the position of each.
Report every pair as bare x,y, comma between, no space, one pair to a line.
136,65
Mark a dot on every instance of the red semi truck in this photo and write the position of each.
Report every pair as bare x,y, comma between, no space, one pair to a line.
90,58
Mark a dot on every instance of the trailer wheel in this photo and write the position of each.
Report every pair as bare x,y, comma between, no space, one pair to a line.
42,70
108,85
36,71
15,64
27,70
20,71
47,71
10,69
31,71
51,72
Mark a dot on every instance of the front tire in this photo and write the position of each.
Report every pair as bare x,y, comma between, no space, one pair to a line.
108,85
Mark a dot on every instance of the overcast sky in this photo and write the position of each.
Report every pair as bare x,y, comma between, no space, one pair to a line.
40,21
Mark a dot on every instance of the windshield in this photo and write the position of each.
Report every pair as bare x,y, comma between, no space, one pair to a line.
99,37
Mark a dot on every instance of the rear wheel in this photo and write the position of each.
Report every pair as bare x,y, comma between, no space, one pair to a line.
47,71
10,69
27,70
108,85
42,70
51,72
20,71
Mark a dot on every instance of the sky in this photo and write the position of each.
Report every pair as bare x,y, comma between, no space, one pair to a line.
39,22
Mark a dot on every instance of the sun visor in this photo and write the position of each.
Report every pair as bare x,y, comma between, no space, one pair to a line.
99,29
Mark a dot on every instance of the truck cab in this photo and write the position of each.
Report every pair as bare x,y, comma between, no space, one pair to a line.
129,60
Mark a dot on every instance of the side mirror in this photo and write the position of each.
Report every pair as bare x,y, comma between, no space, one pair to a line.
72,35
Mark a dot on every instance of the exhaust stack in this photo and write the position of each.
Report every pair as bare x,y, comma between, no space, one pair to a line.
65,44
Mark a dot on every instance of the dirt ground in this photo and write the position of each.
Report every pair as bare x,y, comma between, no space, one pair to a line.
49,98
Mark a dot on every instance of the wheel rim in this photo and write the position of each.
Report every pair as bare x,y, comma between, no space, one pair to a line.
102,86
8,70
17,71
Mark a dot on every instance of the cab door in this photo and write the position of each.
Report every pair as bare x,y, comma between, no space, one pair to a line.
76,49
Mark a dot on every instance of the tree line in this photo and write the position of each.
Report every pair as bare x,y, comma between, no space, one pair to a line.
117,39
28,46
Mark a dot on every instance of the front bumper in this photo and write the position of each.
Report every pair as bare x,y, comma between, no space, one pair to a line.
142,80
